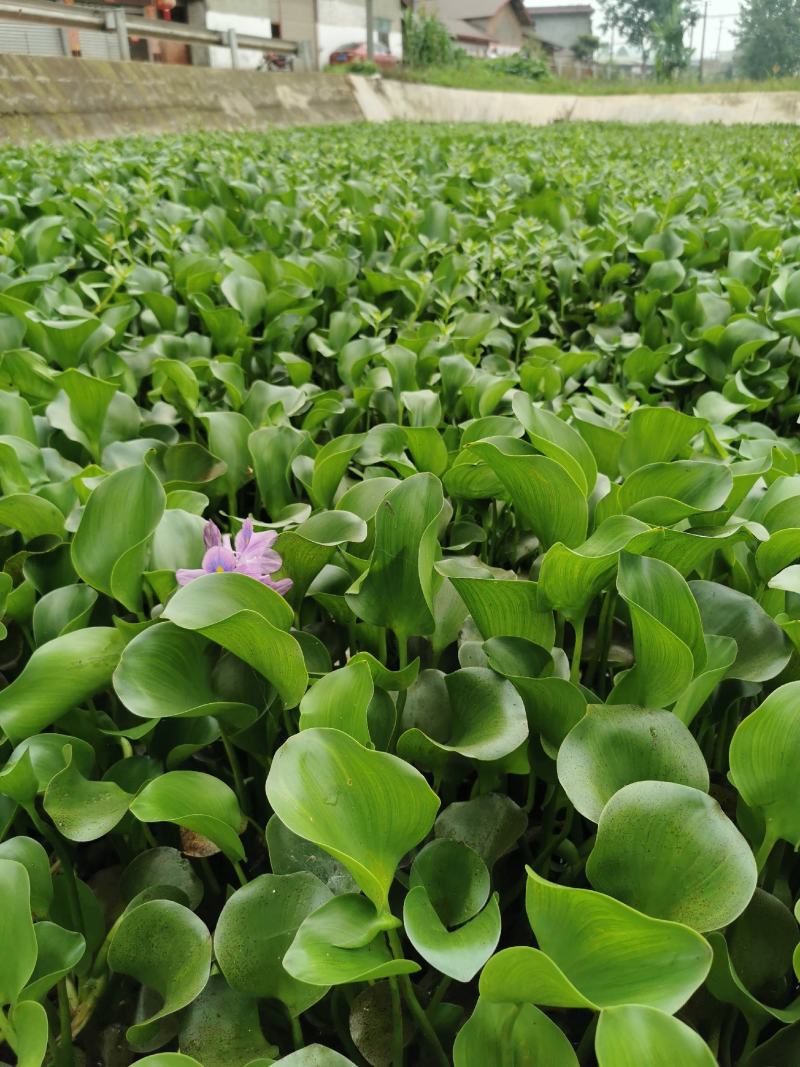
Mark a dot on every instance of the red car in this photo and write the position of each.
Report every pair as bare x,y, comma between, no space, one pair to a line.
352,53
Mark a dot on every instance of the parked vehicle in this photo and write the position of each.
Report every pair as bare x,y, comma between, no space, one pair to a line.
355,53
274,61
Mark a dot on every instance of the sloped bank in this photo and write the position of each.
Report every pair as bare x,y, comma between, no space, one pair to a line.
62,99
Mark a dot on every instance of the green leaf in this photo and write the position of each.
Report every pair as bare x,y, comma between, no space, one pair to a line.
197,801
397,589
667,635
165,671
31,1028
83,810
763,756
633,1034
59,676
763,650
59,952
161,866
615,745
486,716
249,620
596,952
544,494
310,546
257,926
665,493
367,809
558,440
569,579
656,435
223,1027
166,948
61,611
458,953
343,942
500,605
516,1035
34,859
32,515
16,931
112,542
340,700
670,851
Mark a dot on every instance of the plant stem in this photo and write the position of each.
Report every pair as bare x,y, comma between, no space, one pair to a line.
66,1054
575,668
64,858
7,1032
239,872
297,1032
414,1006
236,771
397,1023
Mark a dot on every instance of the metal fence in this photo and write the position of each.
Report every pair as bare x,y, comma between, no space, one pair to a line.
40,29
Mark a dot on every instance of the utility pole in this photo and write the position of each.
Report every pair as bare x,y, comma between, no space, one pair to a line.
703,41
370,31
719,35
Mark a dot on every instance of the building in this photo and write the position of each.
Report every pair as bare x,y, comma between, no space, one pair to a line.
484,27
329,24
561,26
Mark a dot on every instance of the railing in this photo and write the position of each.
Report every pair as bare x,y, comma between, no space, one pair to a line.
115,20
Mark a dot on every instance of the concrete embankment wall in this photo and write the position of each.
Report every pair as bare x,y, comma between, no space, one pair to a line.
61,99
76,98
383,100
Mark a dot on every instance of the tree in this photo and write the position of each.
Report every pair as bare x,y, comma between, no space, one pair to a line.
768,36
585,47
646,23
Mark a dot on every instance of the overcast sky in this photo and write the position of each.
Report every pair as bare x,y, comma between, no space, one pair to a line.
726,8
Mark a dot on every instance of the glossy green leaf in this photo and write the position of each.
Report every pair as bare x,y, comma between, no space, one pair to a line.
667,635
340,700
544,494
486,716
197,801
367,809
763,752
632,1034
670,851
596,952
18,937
615,745
164,946
111,544
342,942
165,671
58,677
248,619
254,931
397,588
512,1034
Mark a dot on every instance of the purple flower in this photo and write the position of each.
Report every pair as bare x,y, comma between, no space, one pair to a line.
252,555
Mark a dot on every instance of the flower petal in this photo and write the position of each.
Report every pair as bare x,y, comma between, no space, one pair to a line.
244,535
184,576
258,544
211,535
282,585
220,558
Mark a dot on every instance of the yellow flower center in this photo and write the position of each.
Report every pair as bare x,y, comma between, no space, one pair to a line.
220,570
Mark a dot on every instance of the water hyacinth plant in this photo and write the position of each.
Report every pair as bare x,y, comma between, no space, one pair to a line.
473,740
253,555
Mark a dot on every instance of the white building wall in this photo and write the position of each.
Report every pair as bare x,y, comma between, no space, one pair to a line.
342,22
224,20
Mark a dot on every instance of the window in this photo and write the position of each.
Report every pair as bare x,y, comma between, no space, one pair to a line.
275,29
383,27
